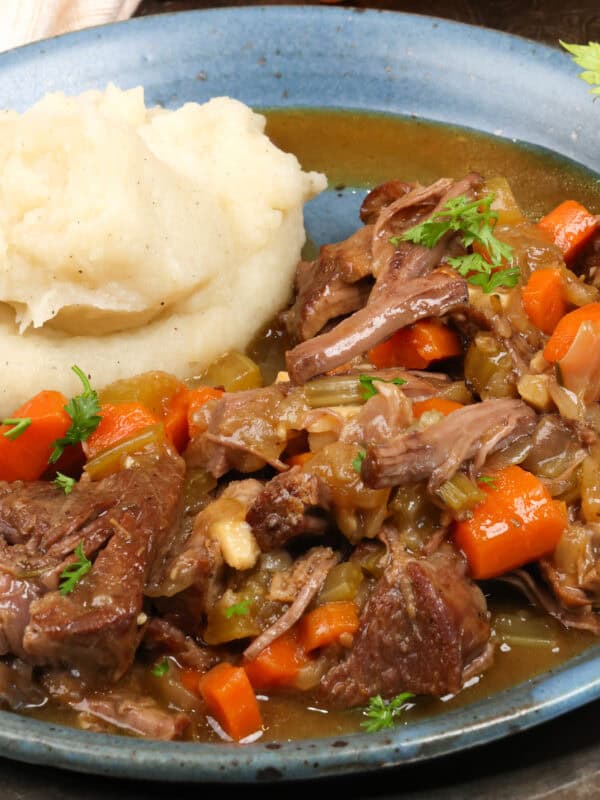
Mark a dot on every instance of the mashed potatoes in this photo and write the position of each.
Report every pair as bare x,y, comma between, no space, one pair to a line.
135,238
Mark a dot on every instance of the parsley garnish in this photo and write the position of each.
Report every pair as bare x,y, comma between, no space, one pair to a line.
367,381
588,57
474,220
64,482
160,669
71,575
20,426
491,482
357,462
83,410
238,609
382,713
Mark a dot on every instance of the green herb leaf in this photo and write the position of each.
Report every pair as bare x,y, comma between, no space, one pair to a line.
367,381
588,57
64,482
487,479
160,669
382,713
474,221
71,575
240,609
357,462
20,426
83,410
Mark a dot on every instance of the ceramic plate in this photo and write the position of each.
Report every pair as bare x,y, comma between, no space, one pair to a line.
326,57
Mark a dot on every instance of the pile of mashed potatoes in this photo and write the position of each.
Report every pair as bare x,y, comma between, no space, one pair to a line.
136,238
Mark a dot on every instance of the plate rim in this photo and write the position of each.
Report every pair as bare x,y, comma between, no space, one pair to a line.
33,741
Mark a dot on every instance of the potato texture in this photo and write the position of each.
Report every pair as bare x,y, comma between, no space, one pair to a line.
135,238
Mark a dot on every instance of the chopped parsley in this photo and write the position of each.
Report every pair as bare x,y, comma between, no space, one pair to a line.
474,221
64,482
240,609
20,426
71,575
160,669
83,410
588,57
487,479
357,462
382,713
369,390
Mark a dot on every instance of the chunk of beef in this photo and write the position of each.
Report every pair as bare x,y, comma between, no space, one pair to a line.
132,714
380,197
95,628
290,505
331,286
162,636
422,629
245,430
436,453
431,296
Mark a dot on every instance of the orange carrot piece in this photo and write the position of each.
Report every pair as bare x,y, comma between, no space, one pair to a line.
435,404
565,332
26,457
175,419
197,398
417,346
230,698
544,299
190,678
570,226
118,422
278,664
299,459
325,624
518,522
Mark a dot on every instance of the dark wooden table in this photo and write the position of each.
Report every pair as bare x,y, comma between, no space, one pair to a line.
556,761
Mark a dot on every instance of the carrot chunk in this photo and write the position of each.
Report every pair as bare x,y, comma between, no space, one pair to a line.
417,346
325,624
565,332
570,226
25,457
544,300
278,664
299,459
175,419
435,404
118,422
230,698
518,522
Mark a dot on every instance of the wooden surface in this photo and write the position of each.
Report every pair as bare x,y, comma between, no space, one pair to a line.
544,20
556,761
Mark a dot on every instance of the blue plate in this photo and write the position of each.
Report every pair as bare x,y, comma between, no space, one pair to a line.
338,58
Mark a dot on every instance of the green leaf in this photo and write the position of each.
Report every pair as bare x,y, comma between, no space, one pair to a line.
240,609
383,713
83,410
369,390
487,479
160,669
71,575
357,462
64,482
474,221
20,426
588,57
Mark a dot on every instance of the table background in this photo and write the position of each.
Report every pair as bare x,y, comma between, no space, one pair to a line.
556,761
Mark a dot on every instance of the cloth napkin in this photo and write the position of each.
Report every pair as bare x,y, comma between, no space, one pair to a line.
23,21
